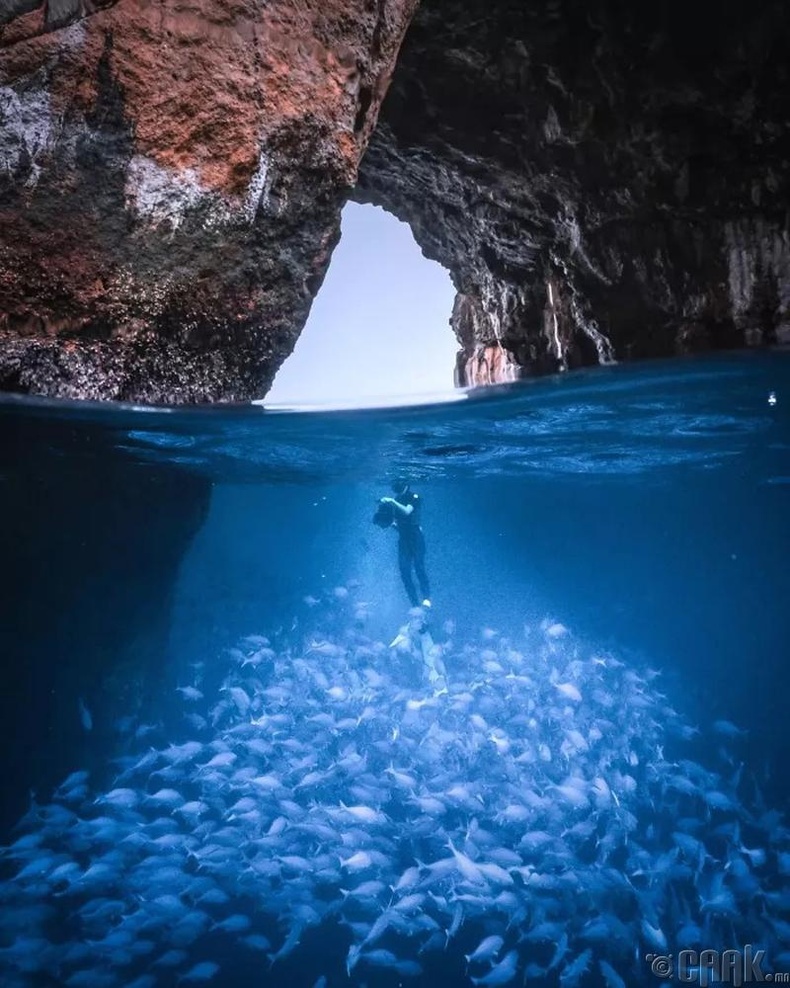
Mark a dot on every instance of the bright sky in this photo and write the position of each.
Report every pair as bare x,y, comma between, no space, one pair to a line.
380,323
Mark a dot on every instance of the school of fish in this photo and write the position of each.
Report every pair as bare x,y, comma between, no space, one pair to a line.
530,815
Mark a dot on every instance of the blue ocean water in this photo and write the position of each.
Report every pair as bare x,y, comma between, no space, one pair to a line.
233,756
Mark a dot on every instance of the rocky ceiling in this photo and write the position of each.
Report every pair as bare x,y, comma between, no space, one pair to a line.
604,181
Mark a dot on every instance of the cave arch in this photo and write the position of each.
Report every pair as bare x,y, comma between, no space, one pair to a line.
604,181
379,326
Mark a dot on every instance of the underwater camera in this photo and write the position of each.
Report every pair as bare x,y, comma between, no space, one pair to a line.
384,516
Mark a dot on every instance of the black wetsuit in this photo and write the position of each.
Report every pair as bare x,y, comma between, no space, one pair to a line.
411,547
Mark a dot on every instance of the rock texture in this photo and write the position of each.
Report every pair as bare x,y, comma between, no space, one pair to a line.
92,544
604,181
171,179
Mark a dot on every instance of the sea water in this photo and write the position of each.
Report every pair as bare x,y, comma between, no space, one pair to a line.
233,755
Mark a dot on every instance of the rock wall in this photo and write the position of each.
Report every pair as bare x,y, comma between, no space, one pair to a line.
92,544
604,181
171,179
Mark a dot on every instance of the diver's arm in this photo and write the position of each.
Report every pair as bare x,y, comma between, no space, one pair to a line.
405,509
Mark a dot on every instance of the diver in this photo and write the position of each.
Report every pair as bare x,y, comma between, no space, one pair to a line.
403,512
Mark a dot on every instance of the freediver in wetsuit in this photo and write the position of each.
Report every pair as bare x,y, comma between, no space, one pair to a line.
411,542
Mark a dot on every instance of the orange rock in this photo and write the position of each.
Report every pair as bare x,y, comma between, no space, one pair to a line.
172,164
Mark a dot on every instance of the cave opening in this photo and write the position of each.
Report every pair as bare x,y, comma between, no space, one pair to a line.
379,326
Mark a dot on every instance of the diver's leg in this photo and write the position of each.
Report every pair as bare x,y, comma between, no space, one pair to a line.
418,555
404,562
